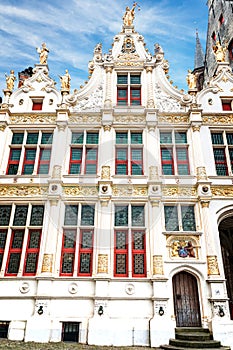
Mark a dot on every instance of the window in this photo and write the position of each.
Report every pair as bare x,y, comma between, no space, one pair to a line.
30,153
128,89
129,241
37,104
227,105
129,153
214,36
223,152
24,226
174,153
179,218
77,242
84,153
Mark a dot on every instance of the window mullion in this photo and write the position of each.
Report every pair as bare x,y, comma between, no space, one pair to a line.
23,251
128,90
179,217
227,153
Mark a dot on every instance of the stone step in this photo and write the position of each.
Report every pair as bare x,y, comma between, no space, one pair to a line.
198,336
191,330
170,347
195,344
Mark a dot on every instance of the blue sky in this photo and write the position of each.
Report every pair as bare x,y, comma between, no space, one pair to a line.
71,29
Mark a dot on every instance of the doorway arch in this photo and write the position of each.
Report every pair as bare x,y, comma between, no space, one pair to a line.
186,300
226,241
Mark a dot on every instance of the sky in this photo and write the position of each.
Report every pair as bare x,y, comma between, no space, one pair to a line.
71,29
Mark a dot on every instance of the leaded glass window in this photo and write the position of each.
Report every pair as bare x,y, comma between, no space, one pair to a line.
171,218
174,156
37,215
77,138
67,263
121,215
87,215
138,216
128,89
20,215
121,138
25,159
13,264
5,213
188,218
85,263
92,138
223,152
32,138
71,215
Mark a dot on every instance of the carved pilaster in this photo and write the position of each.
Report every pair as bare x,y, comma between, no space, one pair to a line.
150,98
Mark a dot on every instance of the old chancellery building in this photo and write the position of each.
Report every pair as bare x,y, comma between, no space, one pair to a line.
116,199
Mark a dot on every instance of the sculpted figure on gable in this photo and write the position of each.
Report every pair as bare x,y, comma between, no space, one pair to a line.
164,102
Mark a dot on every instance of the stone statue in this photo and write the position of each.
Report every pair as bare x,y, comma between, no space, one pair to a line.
10,80
65,80
129,15
191,80
43,53
220,52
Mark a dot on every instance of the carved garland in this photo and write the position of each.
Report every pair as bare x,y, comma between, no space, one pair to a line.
33,119
25,191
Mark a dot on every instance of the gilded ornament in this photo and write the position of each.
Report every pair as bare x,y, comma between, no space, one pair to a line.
10,80
182,247
33,119
196,128
2,127
102,263
158,265
201,173
125,119
220,52
85,119
212,263
174,119
105,172
43,52
126,191
65,81
205,204
47,263
81,191
23,190
191,80
129,15
179,191
218,120
223,191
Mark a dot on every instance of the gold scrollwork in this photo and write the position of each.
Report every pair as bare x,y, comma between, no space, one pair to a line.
173,119
129,190
33,119
223,191
23,191
212,263
218,119
179,191
80,190
47,264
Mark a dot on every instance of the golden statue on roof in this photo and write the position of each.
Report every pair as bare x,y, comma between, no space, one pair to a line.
129,15
220,52
43,52
10,80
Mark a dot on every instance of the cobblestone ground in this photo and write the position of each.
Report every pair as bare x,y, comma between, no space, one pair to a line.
14,345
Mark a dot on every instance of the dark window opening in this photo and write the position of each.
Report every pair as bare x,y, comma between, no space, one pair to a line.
4,325
70,332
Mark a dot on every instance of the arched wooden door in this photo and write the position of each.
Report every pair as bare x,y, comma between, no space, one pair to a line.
186,300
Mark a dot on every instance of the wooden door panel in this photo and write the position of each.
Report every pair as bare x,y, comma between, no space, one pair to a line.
186,300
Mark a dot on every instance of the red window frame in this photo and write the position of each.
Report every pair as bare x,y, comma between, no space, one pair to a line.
75,161
121,161
137,162
140,252
37,106
31,251
28,162
43,162
3,249
170,161
91,161
12,251
133,98
122,99
85,250
180,162
70,250
223,163
13,162
121,251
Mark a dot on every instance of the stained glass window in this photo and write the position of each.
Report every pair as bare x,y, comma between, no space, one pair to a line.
121,239
171,218
86,241
5,213
85,263
20,215
121,264
34,239
121,215
138,216
69,239
71,215
67,263
37,215
17,241
13,264
188,218
87,215
31,263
